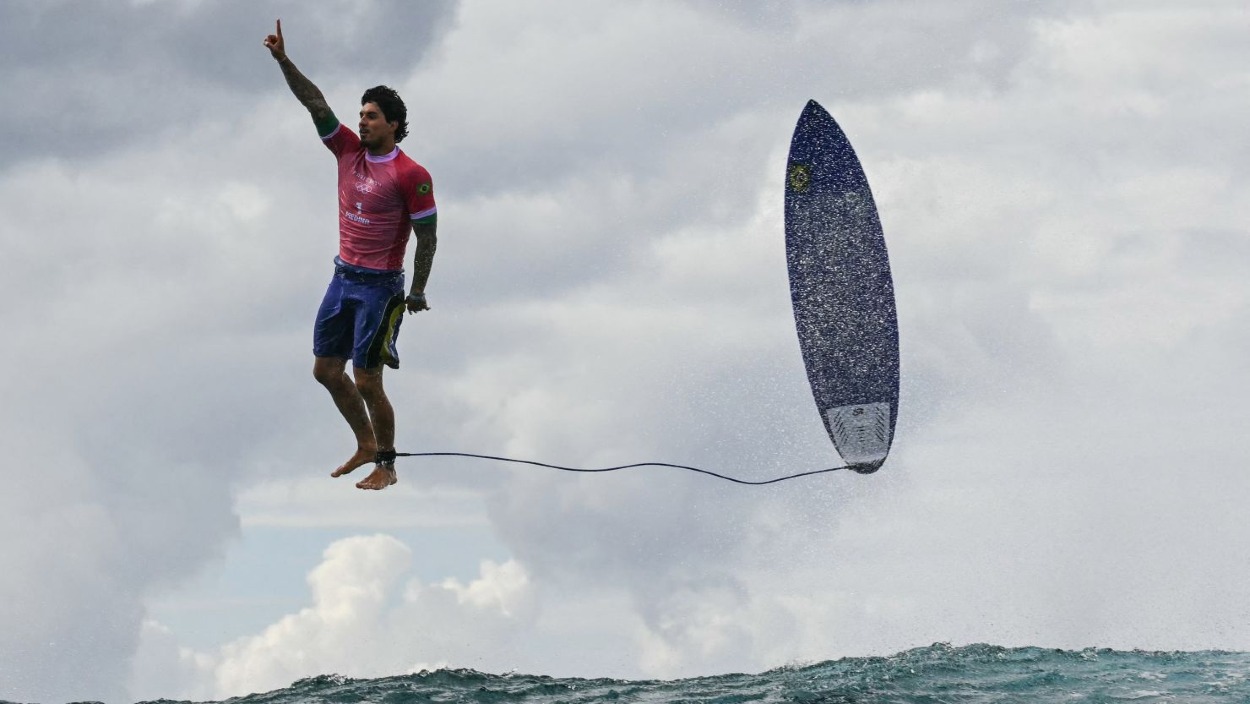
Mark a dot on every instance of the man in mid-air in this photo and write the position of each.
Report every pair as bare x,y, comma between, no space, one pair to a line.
382,196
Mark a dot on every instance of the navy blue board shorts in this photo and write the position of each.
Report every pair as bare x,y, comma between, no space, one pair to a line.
360,315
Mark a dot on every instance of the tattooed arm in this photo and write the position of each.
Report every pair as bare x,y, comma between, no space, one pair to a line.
307,93
426,232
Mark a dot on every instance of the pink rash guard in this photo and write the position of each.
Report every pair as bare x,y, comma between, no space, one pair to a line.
379,198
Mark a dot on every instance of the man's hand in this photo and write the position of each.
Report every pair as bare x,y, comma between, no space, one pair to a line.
416,302
274,43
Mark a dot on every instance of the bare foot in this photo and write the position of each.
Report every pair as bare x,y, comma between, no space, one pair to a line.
381,477
362,457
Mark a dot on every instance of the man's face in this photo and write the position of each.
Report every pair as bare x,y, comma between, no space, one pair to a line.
374,129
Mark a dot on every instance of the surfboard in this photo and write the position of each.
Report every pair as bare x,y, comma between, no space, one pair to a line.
842,291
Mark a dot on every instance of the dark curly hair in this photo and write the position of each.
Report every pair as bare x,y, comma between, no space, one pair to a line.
392,107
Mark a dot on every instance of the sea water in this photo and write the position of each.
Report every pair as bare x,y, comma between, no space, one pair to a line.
938,673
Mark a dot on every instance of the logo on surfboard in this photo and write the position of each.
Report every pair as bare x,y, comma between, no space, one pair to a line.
799,178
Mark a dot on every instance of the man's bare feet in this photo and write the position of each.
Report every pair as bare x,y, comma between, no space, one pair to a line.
363,456
382,476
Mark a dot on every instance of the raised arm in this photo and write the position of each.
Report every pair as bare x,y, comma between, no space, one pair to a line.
307,93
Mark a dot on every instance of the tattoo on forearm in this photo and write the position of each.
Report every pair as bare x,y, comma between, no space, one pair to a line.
424,260
307,93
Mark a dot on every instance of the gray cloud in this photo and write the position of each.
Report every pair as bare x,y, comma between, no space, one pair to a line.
83,79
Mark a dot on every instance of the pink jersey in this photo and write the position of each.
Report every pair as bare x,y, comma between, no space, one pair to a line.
379,197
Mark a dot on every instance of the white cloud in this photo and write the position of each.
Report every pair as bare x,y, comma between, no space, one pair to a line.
362,603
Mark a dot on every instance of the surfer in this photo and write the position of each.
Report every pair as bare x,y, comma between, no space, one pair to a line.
383,195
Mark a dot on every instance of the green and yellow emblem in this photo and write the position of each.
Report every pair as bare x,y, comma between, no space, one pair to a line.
799,178
423,189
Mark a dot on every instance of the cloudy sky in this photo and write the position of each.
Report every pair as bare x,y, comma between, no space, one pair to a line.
1065,190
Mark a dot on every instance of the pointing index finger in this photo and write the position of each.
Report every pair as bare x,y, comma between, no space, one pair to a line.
279,29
